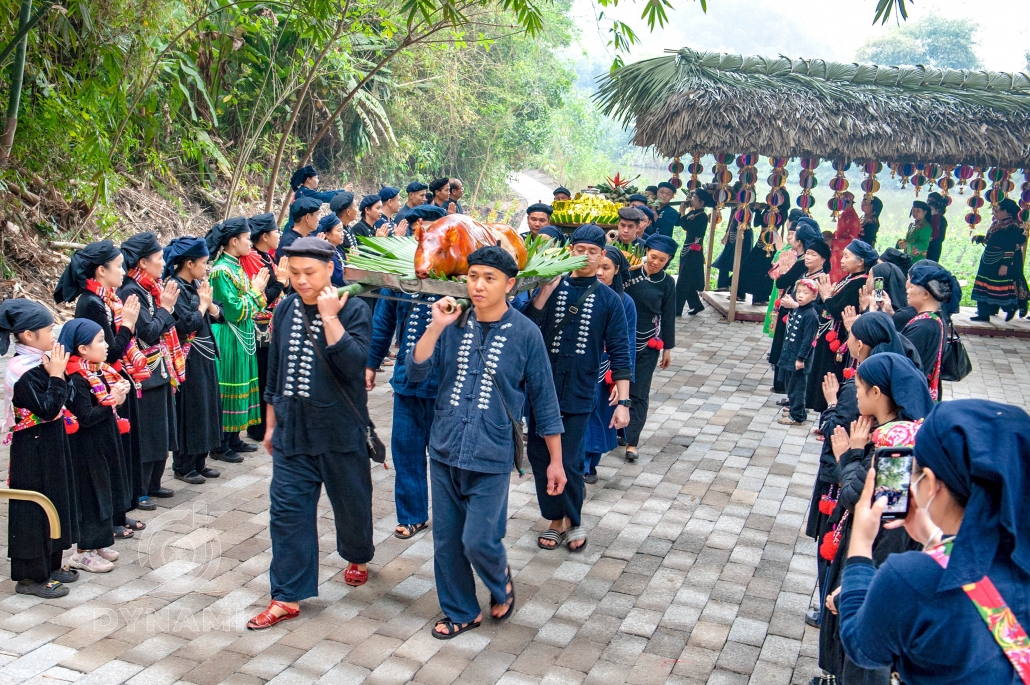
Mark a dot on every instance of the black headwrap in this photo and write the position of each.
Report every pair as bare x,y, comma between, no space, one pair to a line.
939,282
662,243
368,201
863,251
897,258
495,257
18,316
937,201
304,206
621,267
302,174
705,197
260,223
877,330
222,232
819,247
666,184
314,248
793,216
426,213
648,212
83,266
981,451
898,378
182,249
1010,207
589,233
341,201
919,204
877,205
539,207
639,197
806,232
651,189
138,247
553,233
78,332
562,189
438,184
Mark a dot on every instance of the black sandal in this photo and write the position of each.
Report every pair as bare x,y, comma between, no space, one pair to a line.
122,533
551,535
410,530
133,524
509,599
453,629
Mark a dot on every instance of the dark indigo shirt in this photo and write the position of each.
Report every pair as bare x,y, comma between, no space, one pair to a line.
665,219
311,416
471,429
894,616
414,315
576,352
321,195
802,325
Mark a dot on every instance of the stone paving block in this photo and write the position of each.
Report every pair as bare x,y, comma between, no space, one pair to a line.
441,669
164,672
37,661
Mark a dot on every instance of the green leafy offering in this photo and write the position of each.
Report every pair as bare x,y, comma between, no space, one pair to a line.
396,255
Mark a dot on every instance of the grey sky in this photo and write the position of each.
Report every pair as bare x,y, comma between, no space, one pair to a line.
827,29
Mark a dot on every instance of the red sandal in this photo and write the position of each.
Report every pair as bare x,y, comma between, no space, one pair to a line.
355,576
266,619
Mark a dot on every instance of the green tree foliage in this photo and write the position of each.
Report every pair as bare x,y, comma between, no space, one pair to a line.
931,42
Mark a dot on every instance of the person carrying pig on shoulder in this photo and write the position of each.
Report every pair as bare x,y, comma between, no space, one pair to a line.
486,369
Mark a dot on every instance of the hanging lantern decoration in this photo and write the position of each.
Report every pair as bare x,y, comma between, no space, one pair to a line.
807,181
777,197
870,186
977,185
721,177
894,169
919,178
945,182
904,171
748,176
838,184
963,174
1000,185
676,168
694,168
1024,202
932,173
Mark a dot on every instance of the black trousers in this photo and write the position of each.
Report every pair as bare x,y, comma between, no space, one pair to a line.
686,294
152,473
725,278
570,502
797,386
37,569
640,392
183,464
257,431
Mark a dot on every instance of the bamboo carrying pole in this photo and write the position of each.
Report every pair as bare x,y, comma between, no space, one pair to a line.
43,501
737,249
356,289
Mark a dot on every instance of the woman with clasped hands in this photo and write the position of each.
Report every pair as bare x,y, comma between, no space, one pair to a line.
952,613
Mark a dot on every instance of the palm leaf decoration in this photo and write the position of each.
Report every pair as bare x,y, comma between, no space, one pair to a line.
693,102
396,255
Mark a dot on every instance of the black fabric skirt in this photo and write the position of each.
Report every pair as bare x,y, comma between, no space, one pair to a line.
198,406
158,433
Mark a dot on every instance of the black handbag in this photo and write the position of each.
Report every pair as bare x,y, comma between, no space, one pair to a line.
955,364
375,446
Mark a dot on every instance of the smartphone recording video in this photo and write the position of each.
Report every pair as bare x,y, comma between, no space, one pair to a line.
878,289
893,478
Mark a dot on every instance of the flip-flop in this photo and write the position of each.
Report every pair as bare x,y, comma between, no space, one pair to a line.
555,536
453,629
410,530
122,533
509,599
133,524
576,533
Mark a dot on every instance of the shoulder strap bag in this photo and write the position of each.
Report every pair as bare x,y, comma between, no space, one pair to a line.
573,310
376,448
519,462
955,364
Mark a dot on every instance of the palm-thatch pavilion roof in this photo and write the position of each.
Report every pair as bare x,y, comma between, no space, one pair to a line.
693,102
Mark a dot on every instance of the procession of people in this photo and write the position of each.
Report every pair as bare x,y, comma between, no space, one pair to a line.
185,348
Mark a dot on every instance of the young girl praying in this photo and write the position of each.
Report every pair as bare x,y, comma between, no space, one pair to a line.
97,391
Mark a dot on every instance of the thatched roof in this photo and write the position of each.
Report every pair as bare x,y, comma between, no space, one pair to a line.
692,102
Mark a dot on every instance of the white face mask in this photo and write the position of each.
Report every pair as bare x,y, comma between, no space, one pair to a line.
915,488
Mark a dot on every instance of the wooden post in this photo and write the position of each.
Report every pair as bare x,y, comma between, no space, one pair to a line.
737,249
713,223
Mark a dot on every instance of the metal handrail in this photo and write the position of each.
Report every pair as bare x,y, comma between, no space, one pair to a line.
43,501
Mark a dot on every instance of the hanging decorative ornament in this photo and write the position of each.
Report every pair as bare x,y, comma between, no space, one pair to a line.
747,176
776,199
807,181
932,173
721,177
1000,185
963,174
870,186
977,185
1024,202
676,168
945,182
905,170
838,184
919,178
694,168
894,169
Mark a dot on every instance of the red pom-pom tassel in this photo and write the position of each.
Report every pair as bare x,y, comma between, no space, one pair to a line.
850,372
777,303
658,344
831,336
828,548
123,426
608,377
834,346
784,319
826,505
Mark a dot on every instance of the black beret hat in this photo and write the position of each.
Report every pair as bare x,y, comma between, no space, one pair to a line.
416,187
426,213
304,206
539,207
495,257
562,189
631,214
315,248
342,200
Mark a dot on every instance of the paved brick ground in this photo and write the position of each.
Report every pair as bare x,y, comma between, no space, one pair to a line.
695,571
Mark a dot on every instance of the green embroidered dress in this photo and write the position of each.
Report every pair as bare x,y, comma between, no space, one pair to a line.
236,361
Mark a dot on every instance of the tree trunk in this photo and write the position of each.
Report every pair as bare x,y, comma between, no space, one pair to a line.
17,74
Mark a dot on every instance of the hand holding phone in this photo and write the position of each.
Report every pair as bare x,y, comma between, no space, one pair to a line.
893,480
878,289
